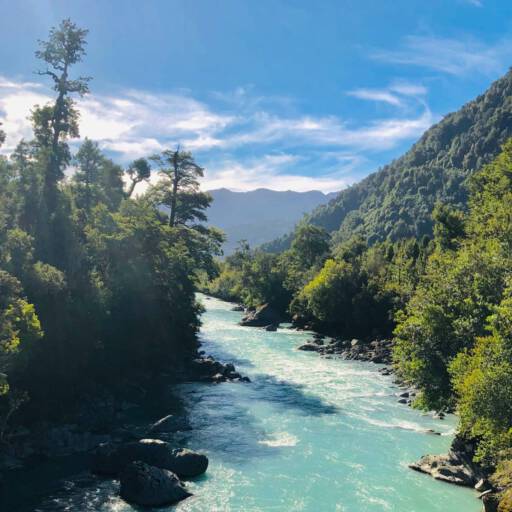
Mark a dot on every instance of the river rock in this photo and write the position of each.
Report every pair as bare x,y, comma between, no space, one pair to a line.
150,486
261,317
482,485
448,468
309,347
218,378
490,501
188,464
237,308
110,459
271,328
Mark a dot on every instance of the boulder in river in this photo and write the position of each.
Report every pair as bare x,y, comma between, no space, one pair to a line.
110,459
261,317
271,328
237,308
188,463
150,486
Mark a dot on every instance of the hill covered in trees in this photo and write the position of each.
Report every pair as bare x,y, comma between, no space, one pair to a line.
260,215
397,201
419,252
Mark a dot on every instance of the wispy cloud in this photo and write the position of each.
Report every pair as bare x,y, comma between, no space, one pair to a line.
376,95
246,141
397,94
459,56
278,170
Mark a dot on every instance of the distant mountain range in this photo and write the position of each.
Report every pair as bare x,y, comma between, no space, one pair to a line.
397,201
260,215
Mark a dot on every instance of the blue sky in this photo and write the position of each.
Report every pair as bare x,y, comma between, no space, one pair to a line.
284,94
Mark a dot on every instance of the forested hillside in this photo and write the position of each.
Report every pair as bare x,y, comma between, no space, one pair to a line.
423,255
260,215
446,300
397,201
95,284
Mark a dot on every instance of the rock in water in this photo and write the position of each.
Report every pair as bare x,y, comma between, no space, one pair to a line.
261,317
189,464
309,347
150,486
109,459
105,460
271,328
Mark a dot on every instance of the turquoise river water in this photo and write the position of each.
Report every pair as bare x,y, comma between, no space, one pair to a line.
307,434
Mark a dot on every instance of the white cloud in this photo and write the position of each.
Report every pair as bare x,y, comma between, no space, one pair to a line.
249,138
272,171
459,56
408,89
376,95
15,106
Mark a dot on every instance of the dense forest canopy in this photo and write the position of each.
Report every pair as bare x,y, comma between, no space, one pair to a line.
96,283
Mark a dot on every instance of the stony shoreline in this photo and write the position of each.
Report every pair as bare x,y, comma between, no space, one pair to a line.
107,421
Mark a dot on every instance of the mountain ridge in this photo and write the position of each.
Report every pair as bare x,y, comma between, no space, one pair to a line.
397,200
259,215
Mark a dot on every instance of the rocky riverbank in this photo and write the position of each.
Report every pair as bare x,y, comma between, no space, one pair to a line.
115,421
375,351
457,467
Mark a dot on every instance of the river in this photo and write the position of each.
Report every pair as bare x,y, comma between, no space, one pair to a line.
307,434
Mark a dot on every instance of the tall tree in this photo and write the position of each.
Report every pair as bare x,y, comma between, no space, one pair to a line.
179,187
57,122
138,171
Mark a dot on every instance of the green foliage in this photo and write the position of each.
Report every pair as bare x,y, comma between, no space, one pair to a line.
448,227
397,201
464,281
351,292
482,378
93,282
178,188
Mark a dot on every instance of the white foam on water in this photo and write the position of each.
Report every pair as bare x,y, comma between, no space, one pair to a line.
279,439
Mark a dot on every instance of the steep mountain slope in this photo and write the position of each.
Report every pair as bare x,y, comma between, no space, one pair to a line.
261,215
397,200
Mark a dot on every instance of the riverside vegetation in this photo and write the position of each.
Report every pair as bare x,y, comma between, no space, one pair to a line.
445,293
97,284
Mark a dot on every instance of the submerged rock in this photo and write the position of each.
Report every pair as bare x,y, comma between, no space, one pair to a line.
150,486
271,328
309,347
109,459
237,308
